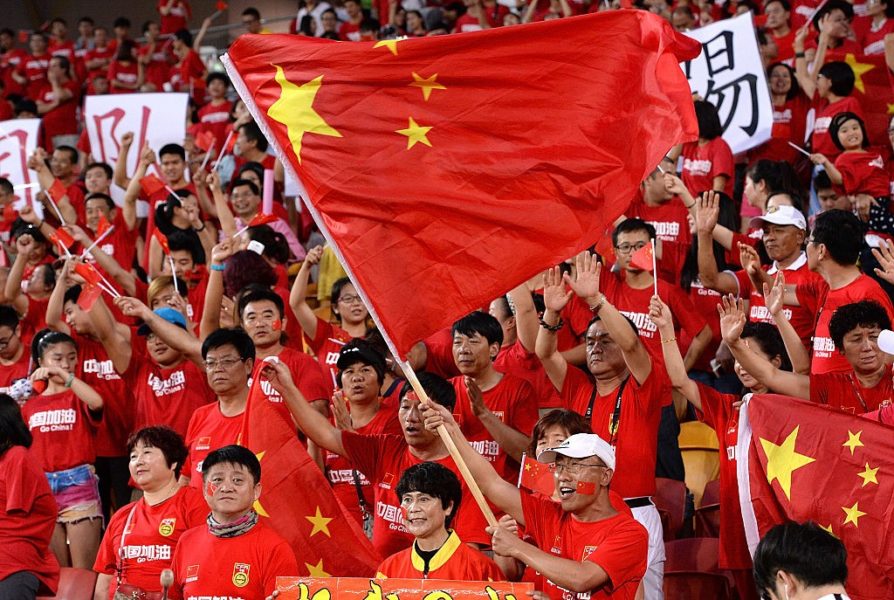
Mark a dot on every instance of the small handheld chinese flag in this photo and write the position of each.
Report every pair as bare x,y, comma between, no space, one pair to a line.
62,238
88,273
643,259
162,239
262,219
537,476
102,226
88,296
205,140
151,185
221,5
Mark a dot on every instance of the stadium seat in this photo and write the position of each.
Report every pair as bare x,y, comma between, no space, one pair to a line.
670,497
74,584
696,586
699,447
691,554
707,516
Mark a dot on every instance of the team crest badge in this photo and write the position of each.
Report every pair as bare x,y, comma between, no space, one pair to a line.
240,574
192,573
588,550
166,527
613,427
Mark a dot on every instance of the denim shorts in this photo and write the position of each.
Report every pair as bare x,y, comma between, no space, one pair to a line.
76,492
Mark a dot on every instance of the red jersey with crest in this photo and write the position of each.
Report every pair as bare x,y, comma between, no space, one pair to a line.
245,566
144,537
703,162
863,172
618,544
518,361
454,560
308,378
63,429
845,392
327,344
209,429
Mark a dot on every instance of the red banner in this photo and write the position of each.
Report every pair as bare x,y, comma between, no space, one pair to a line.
359,588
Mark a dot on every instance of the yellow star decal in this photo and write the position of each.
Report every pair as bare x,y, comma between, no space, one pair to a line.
783,460
390,44
853,514
829,529
257,504
317,569
320,523
415,133
859,69
294,109
891,109
853,440
427,84
869,476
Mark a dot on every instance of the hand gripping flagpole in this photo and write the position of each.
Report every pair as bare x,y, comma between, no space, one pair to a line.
408,371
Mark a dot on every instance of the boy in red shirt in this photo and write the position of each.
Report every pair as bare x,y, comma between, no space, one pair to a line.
215,116
57,103
430,495
32,70
15,359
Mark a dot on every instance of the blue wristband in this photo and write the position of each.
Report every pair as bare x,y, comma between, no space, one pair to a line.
217,268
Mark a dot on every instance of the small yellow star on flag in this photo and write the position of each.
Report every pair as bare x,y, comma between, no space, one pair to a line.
426,84
294,109
415,133
829,529
853,441
783,460
859,70
891,109
853,514
390,44
869,475
320,523
257,503
317,569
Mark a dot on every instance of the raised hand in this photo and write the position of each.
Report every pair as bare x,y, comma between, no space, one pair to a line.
585,282
554,295
884,254
314,255
818,159
28,215
732,318
147,156
277,373
131,307
127,139
222,251
660,313
340,411
25,244
707,212
475,397
774,296
749,258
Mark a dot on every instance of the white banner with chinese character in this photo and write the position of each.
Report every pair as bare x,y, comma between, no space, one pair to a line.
729,74
155,118
18,139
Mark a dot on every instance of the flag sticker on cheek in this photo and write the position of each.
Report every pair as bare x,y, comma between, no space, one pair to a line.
277,325
587,488
210,489
404,513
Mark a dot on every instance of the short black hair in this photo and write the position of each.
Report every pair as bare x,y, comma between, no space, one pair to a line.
72,294
189,242
6,186
368,355
184,36
65,64
86,20
8,317
252,132
842,234
235,337
435,480
276,247
100,165
121,22
839,120
165,439
709,126
777,175
72,152
786,6
841,76
438,389
251,11
249,184
259,293
172,149
821,181
770,341
100,196
45,338
234,455
806,551
866,313
631,225
13,429
482,323
217,76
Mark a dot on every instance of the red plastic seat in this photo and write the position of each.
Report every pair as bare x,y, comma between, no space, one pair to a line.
707,516
692,554
670,496
74,584
693,585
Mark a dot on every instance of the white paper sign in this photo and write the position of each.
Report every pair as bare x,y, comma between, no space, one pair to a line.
18,139
155,118
729,74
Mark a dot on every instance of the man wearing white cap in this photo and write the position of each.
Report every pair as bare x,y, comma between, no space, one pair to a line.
583,548
784,231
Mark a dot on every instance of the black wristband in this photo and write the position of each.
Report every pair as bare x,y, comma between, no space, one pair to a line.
800,55
553,328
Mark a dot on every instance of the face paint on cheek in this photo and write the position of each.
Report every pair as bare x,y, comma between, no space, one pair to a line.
210,489
404,513
586,488
277,325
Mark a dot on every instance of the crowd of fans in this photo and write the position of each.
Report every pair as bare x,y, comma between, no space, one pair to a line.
125,364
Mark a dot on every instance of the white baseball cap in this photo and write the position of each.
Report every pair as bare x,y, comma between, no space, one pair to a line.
582,445
782,215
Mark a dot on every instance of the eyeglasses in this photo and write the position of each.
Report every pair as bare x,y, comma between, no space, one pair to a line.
225,363
627,248
350,299
574,468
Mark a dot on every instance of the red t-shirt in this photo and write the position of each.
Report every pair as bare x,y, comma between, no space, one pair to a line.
107,54
158,70
216,119
34,69
206,566
35,318
844,392
618,544
97,371
636,437
340,470
176,18
27,519
789,125
863,173
802,317
871,37
66,49
327,344
384,458
119,244
718,412
466,23
208,430
670,219
705,302
512,401
62,120
820,140
518,361
454,560
308,377
349,31
189,69
166,395
63,429
152,534
785,45
439,354
127,73
701,164
826,359
10,374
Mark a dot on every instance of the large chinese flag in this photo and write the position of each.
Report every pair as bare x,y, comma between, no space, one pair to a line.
873,88
446,170
803,461
297,498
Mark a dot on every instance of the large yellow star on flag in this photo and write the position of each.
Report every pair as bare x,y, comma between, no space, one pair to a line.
390,44
869,475
853,440
317,569
891,109
427,84
294,109
853,514
859,69
415,133
783,460
257,503
320,523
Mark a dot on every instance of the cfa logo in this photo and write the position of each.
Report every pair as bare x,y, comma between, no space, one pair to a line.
166,527
240,574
